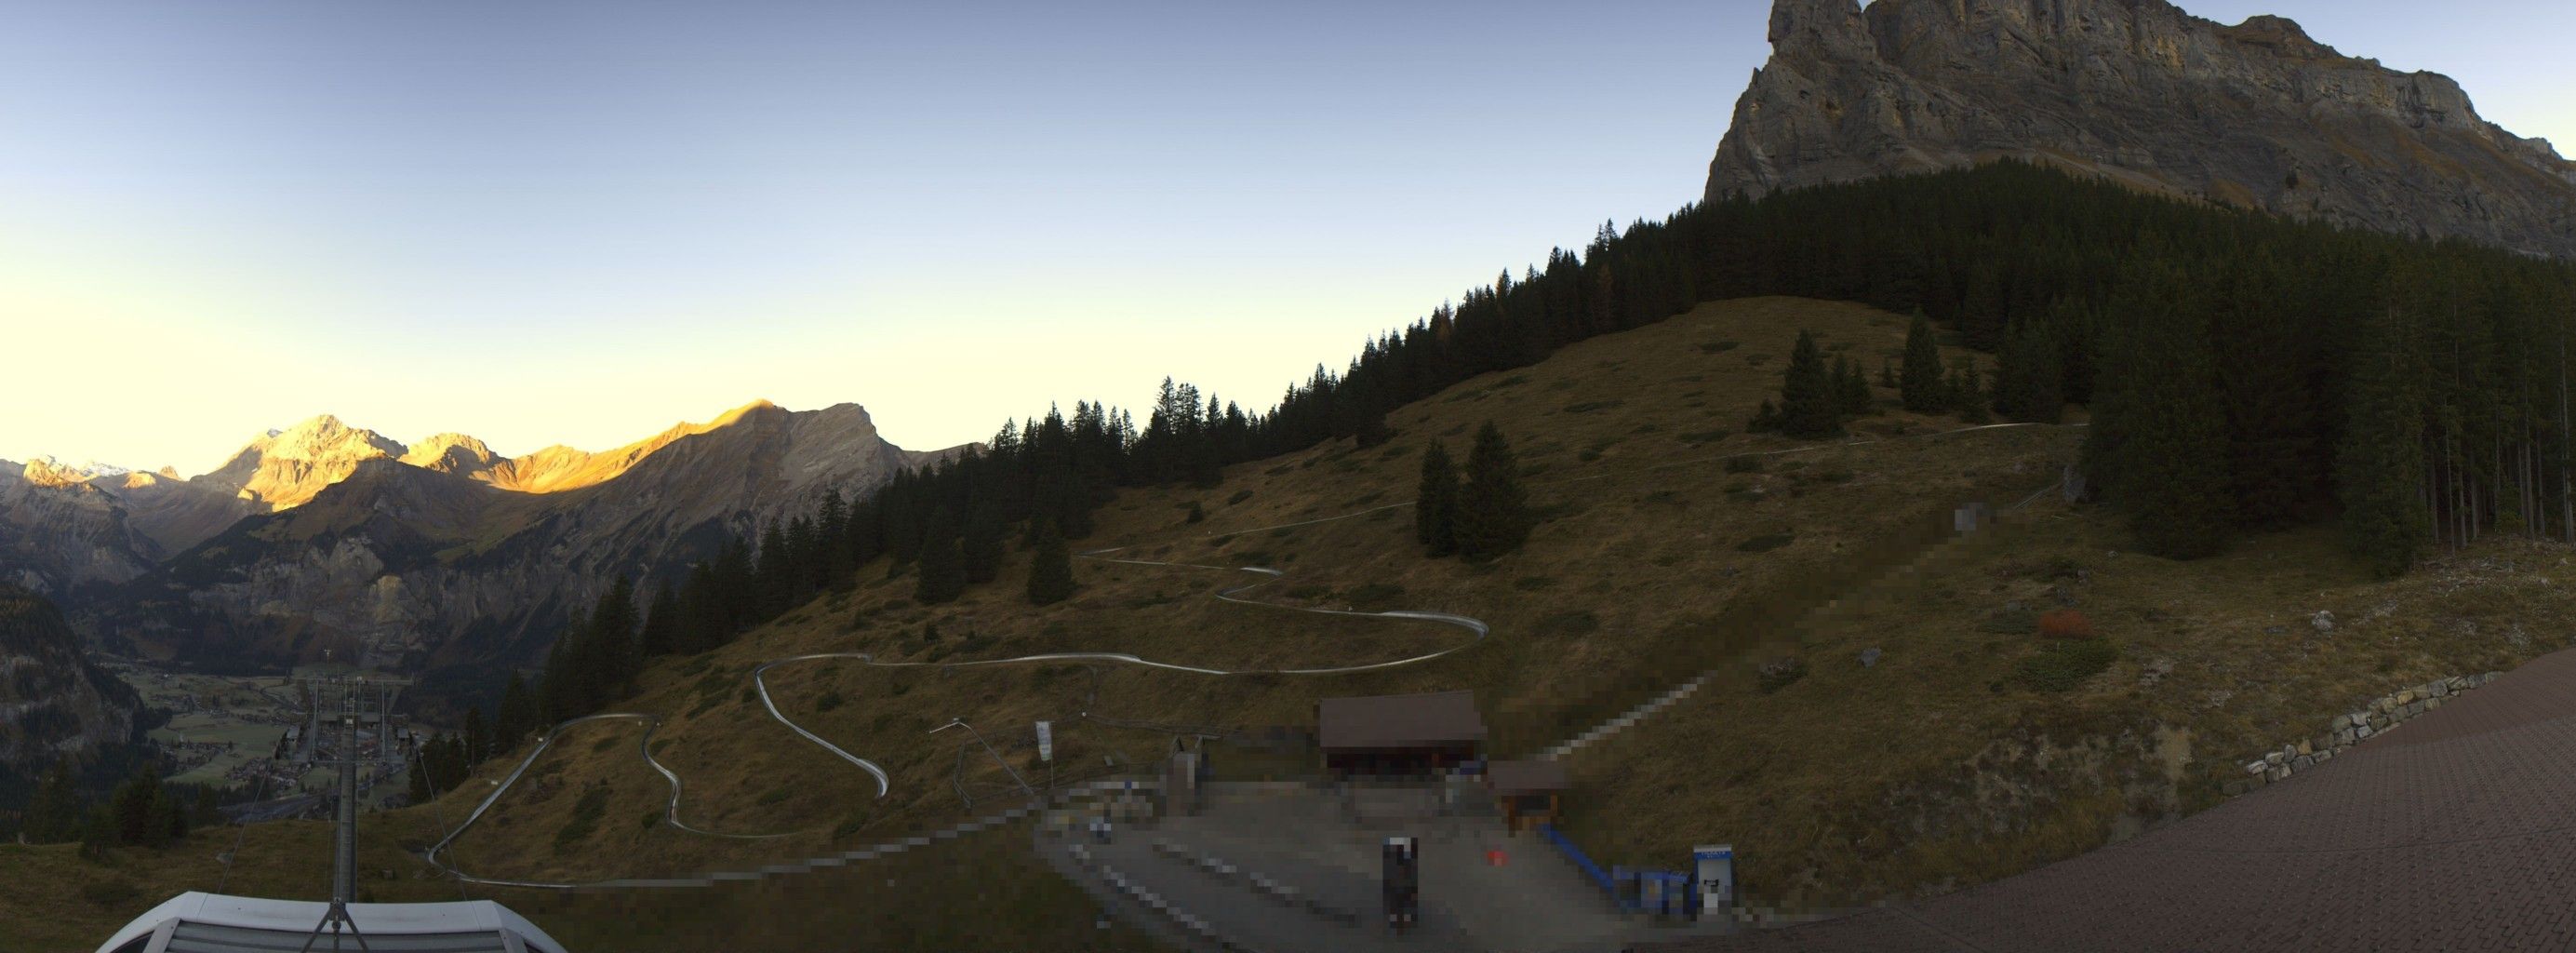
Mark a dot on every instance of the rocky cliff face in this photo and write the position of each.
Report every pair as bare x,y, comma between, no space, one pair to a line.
446,555
2255,115
58,535
53,701
66,529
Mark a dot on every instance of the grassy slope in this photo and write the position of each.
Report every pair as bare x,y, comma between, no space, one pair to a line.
1936,768
1640,577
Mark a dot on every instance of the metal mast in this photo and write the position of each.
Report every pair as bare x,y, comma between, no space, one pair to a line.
349,701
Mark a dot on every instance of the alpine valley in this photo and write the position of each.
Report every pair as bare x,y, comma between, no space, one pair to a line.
325,540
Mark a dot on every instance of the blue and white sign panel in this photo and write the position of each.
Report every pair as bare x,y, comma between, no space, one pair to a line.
1714,865
1046,741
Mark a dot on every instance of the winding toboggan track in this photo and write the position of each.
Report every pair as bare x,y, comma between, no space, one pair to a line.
438,855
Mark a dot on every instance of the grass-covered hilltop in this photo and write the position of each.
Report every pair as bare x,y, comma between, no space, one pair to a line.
2244,474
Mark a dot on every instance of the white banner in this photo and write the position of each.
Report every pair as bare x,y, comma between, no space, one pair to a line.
1046,742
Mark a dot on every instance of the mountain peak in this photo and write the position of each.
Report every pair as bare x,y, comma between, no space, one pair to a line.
325,436
48,471
42,471
1830,28
287,467
738,413
450,453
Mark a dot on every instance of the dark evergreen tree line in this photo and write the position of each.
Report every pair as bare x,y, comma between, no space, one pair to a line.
141,811
2220,353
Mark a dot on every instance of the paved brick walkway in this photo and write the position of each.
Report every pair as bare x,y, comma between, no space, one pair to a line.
2456,831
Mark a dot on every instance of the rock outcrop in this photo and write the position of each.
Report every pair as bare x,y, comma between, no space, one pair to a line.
2255,115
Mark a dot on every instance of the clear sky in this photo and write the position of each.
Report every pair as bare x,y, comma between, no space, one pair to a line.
579,222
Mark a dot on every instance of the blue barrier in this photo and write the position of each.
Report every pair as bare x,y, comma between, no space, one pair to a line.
1581,862
1676,893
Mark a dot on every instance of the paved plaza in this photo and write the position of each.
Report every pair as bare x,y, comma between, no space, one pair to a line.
2456,831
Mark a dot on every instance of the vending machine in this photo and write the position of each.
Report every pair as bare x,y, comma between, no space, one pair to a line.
1714,866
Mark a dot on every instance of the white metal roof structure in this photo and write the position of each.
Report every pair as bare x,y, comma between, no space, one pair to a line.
213,923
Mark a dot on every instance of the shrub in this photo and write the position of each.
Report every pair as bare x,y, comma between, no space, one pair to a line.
1744,464
2063,664
2065,624
830,700
1197,513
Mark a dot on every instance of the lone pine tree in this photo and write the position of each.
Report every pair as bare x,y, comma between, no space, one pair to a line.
1921,383
1493,512
1968,392
1435,507
1851,388
1808,405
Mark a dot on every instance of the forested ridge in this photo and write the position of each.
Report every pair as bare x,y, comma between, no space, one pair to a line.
2243,372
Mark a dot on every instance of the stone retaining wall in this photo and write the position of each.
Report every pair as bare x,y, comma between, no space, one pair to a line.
2386,712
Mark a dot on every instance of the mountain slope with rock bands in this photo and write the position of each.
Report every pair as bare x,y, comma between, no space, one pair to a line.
2255,115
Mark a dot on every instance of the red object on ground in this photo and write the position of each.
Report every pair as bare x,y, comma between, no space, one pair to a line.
1496,858
2065,624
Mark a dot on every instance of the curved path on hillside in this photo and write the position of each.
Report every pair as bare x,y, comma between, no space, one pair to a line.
2453,831
1233,594
760,683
